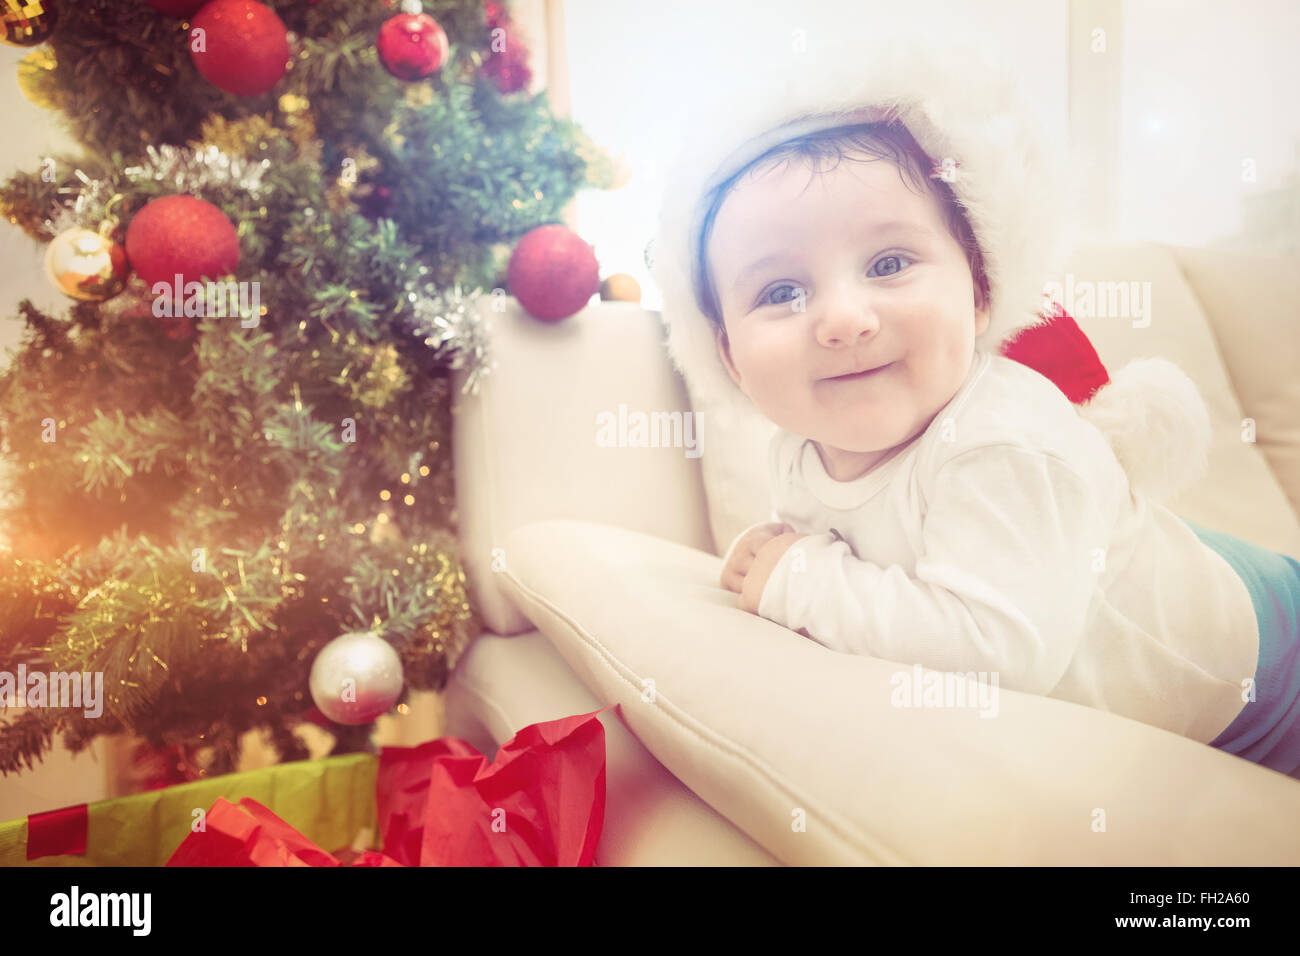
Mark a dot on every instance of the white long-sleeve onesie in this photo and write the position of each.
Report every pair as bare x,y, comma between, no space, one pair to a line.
1005,538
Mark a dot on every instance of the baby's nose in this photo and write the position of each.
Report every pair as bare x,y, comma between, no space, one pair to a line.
847,321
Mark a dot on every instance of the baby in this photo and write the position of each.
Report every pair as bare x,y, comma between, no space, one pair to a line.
938,503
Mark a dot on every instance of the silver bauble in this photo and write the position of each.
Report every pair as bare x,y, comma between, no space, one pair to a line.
355,678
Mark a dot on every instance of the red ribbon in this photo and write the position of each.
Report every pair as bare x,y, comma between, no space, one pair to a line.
56,832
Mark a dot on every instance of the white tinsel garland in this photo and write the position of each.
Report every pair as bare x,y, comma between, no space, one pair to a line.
449,323
191,171
194,170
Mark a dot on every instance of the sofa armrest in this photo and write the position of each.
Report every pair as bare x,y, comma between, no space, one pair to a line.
583,418
773,730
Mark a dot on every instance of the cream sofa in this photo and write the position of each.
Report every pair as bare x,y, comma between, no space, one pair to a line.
735,741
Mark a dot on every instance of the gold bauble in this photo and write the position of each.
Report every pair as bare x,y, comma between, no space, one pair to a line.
86,265
32,71
620,287
27,22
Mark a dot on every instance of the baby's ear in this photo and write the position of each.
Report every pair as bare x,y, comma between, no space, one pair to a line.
724,353
982,313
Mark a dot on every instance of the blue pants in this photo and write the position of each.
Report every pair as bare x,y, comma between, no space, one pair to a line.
1267,731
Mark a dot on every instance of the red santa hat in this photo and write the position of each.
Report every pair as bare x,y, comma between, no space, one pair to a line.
1016,188
1151,413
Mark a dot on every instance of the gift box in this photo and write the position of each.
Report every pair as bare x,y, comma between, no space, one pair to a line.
540,801
330,801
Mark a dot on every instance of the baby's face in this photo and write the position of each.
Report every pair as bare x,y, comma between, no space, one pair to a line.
854,271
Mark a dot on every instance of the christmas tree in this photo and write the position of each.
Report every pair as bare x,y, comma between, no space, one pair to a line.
204,492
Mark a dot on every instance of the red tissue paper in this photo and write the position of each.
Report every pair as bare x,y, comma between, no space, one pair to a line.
541,802
248,834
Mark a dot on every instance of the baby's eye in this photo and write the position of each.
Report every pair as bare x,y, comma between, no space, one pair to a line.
767,296
895,268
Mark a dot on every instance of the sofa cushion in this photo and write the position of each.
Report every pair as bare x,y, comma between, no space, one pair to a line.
803,749
1250,301
1238,493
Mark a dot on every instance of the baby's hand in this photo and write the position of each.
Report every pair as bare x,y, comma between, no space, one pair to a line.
768,557
742,555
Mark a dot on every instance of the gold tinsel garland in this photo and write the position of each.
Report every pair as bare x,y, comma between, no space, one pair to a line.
243,137
379,377
34,72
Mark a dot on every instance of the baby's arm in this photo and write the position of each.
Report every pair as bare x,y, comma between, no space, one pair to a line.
1002,583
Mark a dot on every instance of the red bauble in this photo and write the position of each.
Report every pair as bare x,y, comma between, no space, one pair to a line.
181,235
176,8
553,273
246,46
508,70
495,14
412,45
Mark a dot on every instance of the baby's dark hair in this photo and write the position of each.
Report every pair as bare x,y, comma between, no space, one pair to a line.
881,140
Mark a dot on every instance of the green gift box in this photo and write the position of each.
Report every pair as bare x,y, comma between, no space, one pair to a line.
330,801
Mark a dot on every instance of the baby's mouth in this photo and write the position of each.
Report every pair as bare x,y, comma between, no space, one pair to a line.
857,376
